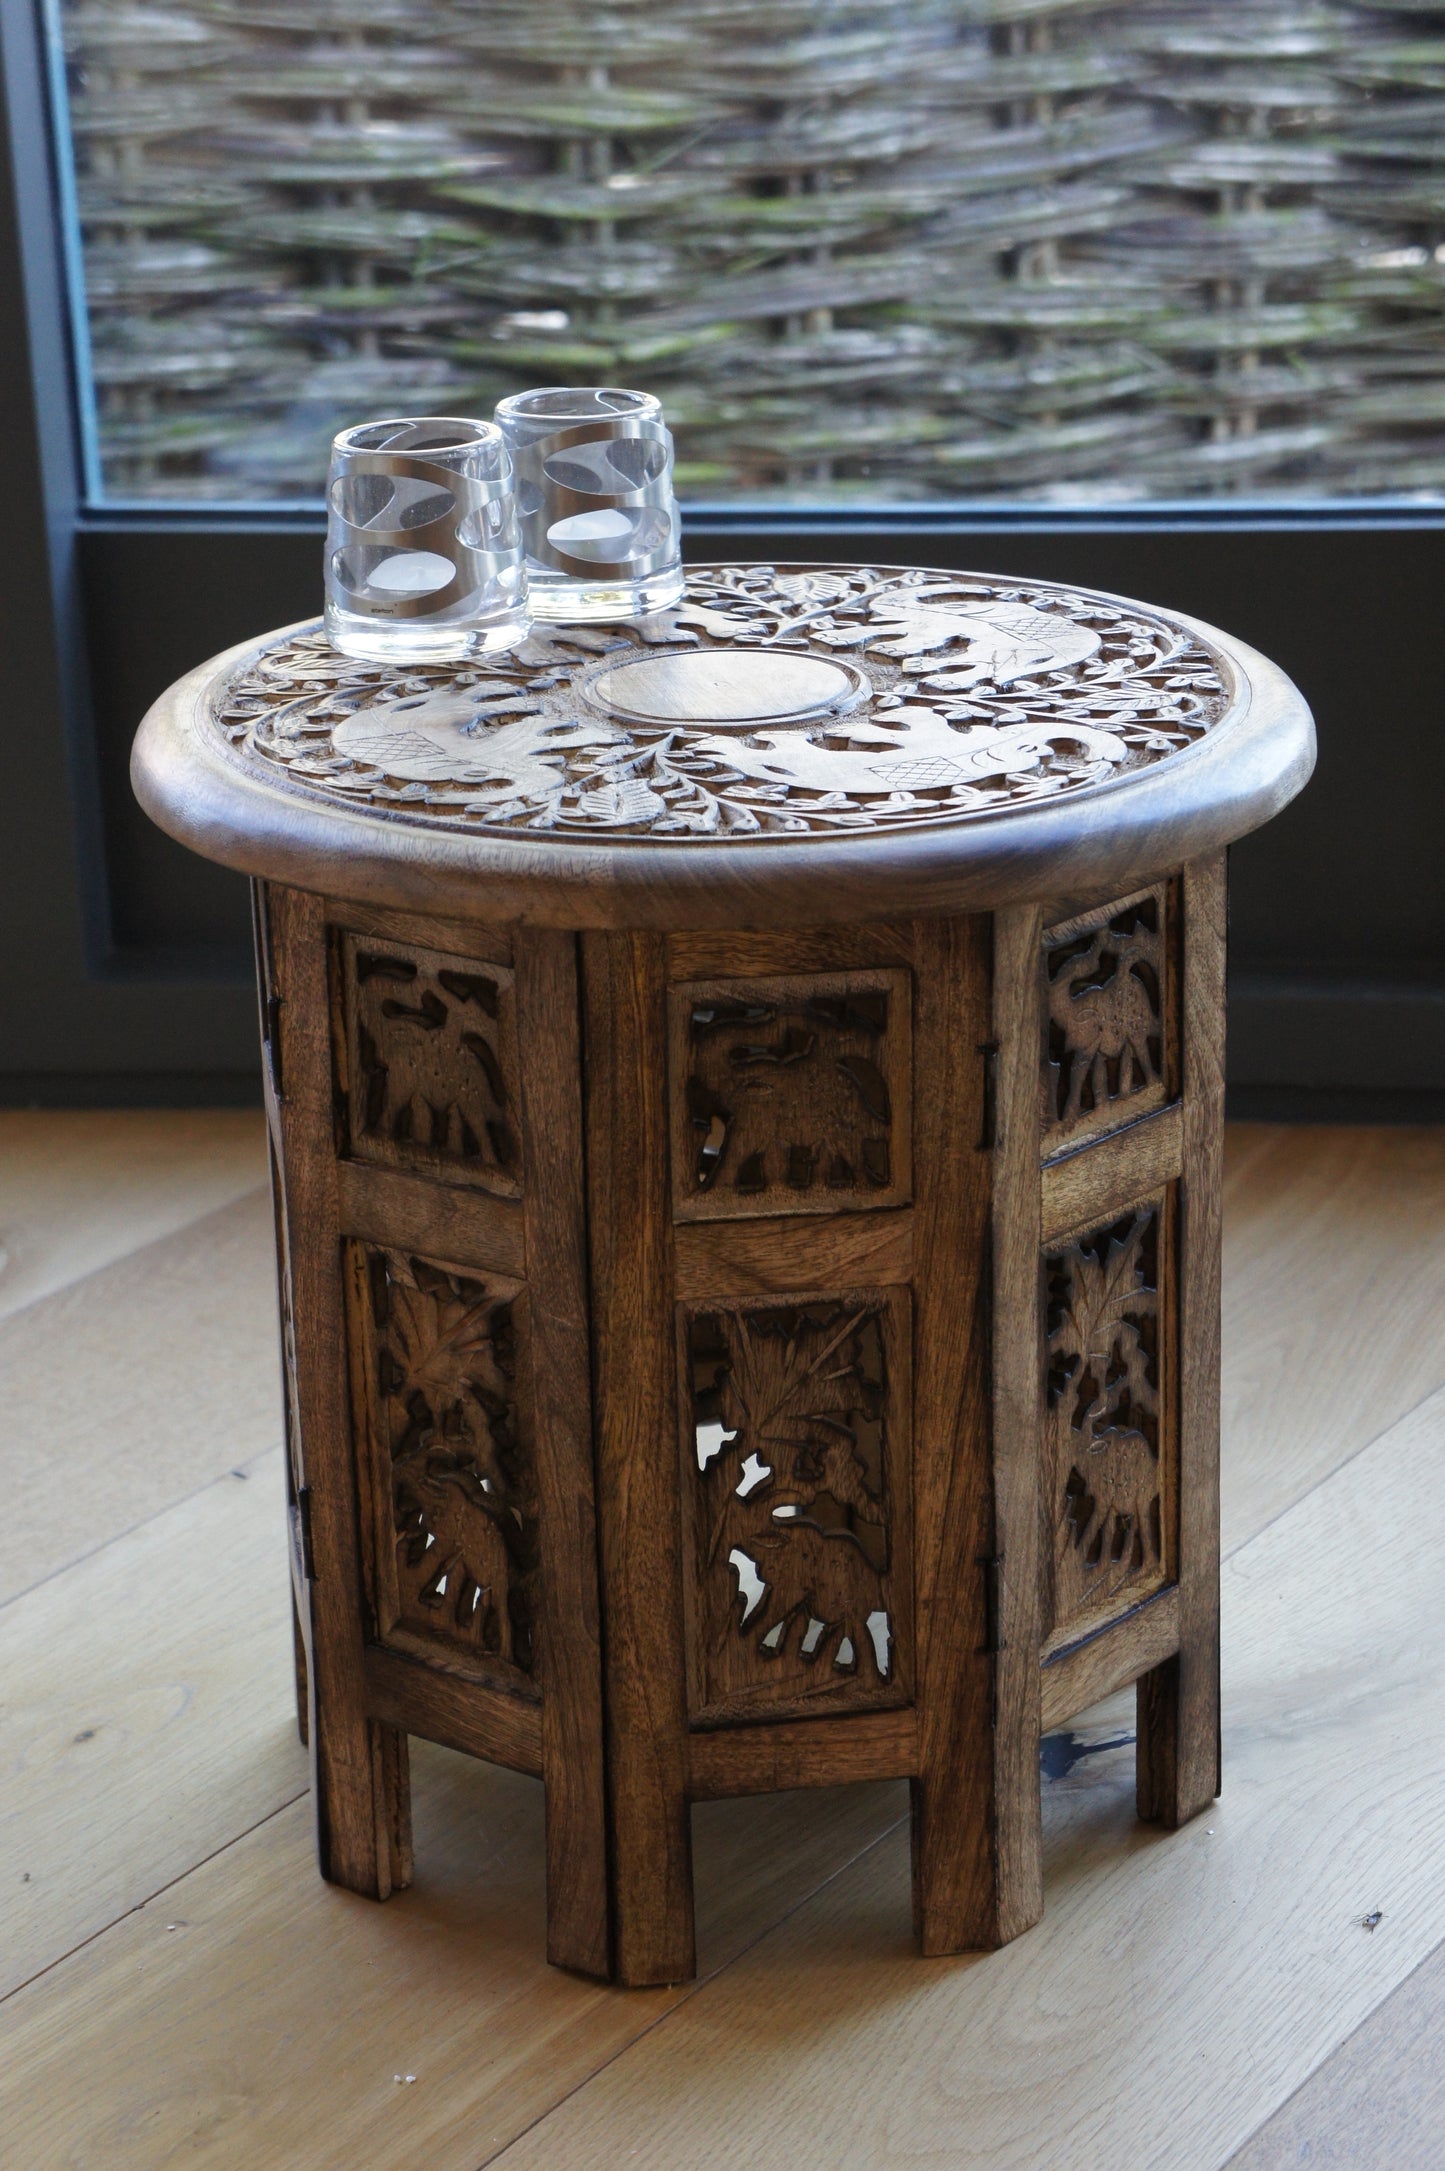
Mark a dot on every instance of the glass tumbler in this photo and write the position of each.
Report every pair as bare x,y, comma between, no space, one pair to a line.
423,552
594,492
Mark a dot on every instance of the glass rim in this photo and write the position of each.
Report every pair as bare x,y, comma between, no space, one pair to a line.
588,398
469,431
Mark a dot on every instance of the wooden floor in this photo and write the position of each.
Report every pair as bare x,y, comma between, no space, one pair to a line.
177,1988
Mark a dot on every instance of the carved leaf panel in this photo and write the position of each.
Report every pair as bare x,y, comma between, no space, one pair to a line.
1109,1469
440,1366
430,1069
796,1477
790,1095
1108,993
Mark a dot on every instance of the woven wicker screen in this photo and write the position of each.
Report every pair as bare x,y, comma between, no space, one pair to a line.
920,249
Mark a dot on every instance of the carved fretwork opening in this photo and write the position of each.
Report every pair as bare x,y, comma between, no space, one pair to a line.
799,1499
455,1506
430,1063
1107,1018
1108,1470
790,1096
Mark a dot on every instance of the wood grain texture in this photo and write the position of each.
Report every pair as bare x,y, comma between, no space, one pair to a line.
1379,2099
802,1753
1017,1411
1334,1287
1110,1659
134,1386
768,1258
1101,1180
282,2015
635,1398
238,2061
192,782
466,937
702,953
131,1755
1178,1703
358,1776
1147,2021
1109,1028
965,1879
82,1187
449,1708
386,1206
578,1916
790,1094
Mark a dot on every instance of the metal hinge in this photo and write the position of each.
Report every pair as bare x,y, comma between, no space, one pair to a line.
992,1566
273,1042
303,1524
988,1131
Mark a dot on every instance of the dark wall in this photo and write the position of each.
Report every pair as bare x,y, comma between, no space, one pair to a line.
1338,907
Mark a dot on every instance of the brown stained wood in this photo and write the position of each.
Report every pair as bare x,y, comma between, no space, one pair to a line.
794,1447
712,953
1085,1673
199,769
1017,1416
790,1094
761,1258
442,1395
414,1697
473,939
425,1046
199,1775
1110,1472
802,1753
578,1913
763,893
1105,1177
1178,1703
358,1773
635,1399
202,2027
1109,1000
1336,1708
968,1887
385,1206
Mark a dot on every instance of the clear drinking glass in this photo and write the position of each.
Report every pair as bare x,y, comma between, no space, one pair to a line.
423,551
594,492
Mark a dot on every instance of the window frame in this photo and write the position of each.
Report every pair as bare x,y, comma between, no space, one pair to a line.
104,604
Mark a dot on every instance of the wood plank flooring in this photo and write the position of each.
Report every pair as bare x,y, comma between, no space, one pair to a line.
178,1989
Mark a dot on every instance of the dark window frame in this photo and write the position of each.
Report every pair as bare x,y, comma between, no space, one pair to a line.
126,961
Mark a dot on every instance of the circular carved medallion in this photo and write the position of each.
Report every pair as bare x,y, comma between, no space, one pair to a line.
736,686
772,702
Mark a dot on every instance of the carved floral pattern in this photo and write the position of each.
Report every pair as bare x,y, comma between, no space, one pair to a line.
790,1096
800,1554
456,1508
1107,1478
984,696
432,1072
1105,978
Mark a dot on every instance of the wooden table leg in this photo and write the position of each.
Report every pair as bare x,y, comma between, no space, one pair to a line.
361,1793
637,1463
1178,1702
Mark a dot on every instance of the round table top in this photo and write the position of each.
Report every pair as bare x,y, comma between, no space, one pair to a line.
789,745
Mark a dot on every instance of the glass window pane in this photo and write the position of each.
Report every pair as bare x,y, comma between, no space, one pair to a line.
893,252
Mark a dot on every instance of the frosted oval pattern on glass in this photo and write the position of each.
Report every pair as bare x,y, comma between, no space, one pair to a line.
940,249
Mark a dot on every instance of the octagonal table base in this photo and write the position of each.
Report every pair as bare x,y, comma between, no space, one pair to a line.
733,1361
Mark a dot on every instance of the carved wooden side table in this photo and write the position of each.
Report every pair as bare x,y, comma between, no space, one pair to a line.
746,1092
